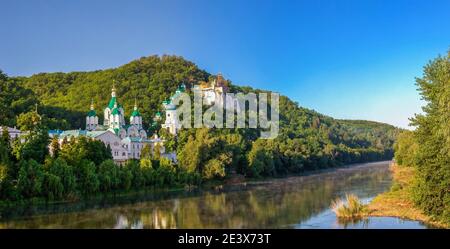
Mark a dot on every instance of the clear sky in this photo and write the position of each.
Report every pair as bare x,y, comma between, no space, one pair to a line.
347,59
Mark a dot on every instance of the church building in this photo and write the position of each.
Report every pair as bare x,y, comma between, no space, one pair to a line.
125,140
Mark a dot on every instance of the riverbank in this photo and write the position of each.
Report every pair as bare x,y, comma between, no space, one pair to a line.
213,185
289,202
208,185
397,202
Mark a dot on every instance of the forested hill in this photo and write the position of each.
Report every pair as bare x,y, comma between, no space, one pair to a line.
305,135
149,79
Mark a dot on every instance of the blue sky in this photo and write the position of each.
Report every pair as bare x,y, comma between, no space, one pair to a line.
346,59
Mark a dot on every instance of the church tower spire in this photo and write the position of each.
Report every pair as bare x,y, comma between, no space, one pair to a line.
113,90
136,118
91,118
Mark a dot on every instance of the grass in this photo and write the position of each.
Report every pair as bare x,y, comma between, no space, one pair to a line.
397,202
350,208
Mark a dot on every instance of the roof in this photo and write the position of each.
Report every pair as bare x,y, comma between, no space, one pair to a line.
77,133
94,134
135,113
115,111
137,139
181,88
112,102
10,130
91,113
72,133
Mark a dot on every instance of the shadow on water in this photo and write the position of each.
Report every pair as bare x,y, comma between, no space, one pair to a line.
292,202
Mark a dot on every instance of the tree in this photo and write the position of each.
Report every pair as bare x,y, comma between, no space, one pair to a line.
406,149
109,176
6,162
146,152
84,148
138,179
432,134
52,187
29,121
170,142
157,151
260,159
147,169
165,173
88,182
35,146
54,147
14,99
61,169
29,183
214,168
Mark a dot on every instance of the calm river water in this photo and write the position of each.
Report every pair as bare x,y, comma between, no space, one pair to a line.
292,202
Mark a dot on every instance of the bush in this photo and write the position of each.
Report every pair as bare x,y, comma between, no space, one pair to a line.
351,208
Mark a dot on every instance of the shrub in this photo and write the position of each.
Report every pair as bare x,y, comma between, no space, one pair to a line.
349,209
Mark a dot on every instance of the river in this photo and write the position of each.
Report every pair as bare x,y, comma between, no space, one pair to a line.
291,202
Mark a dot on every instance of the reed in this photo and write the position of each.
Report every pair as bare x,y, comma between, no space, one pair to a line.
350,208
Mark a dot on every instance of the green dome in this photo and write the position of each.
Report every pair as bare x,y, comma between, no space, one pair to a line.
115,111
91,113
181,88
112,102
135,113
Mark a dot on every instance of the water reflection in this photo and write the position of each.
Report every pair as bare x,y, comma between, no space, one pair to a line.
282,203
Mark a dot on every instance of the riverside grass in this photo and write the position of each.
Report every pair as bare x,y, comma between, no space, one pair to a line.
350,208
397,201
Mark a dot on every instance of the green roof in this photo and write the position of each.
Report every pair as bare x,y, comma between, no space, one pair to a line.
158,114
92,113
181,88
112,102
115,111
94,133
135,113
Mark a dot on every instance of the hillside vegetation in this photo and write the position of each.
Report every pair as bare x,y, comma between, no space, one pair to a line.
308,140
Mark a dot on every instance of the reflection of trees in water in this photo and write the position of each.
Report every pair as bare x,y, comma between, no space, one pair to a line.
278,203
363,222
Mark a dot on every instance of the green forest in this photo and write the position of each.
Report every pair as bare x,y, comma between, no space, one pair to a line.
427,148
307,141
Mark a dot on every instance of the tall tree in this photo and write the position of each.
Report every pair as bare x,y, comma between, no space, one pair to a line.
433,137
